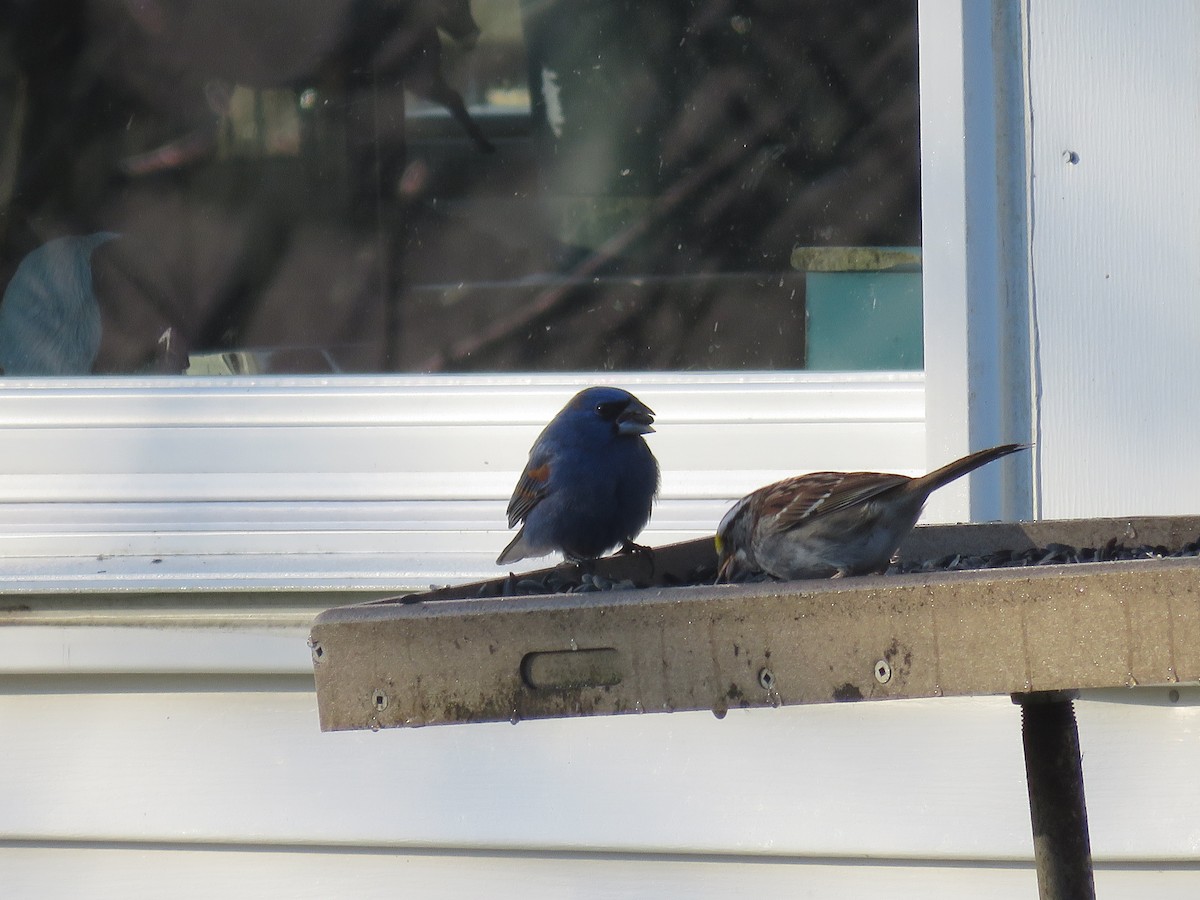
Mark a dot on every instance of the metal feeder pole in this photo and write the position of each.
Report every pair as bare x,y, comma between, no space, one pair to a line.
1054,773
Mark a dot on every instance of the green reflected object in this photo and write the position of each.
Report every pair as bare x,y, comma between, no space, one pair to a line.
869,319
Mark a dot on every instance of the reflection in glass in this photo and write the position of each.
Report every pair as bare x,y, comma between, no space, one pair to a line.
291,186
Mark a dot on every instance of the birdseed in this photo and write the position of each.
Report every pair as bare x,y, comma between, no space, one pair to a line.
1052,554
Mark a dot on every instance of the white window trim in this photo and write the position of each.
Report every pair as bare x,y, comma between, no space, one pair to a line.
391,482
975,251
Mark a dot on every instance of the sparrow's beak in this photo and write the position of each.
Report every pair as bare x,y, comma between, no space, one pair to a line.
724,562
637,418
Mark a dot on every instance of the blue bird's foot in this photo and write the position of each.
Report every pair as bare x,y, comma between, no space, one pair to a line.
640,551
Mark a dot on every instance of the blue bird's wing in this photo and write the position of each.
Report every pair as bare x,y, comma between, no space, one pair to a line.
529,492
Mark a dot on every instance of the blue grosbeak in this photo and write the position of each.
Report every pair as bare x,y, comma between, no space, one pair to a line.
590,480
831,523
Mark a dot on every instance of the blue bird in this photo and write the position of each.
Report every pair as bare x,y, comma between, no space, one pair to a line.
590,480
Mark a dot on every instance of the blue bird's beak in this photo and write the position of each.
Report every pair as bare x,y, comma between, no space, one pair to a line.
637,418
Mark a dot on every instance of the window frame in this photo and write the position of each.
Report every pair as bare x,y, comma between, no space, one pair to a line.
964,198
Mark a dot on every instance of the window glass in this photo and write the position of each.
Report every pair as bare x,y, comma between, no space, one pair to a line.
312,186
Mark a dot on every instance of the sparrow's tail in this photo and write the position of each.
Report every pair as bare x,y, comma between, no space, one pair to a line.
927,484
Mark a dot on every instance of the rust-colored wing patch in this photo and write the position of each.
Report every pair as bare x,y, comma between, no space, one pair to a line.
528,493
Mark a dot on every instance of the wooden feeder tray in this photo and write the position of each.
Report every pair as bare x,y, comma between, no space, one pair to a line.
445,656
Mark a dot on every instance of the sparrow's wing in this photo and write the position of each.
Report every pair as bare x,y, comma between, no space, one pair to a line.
795,501
531,488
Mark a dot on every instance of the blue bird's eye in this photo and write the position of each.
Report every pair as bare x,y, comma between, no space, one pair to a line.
609,411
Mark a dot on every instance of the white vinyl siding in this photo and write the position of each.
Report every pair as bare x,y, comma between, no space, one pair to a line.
181,785
1114,268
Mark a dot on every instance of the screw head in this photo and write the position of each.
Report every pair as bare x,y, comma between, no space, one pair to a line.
766,678
379,700
883,671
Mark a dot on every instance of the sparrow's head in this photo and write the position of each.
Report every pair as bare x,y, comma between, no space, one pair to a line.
735,556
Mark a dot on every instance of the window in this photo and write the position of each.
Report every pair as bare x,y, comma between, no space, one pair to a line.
437,186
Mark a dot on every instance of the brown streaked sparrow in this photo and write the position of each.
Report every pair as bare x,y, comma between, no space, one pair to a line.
831,523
